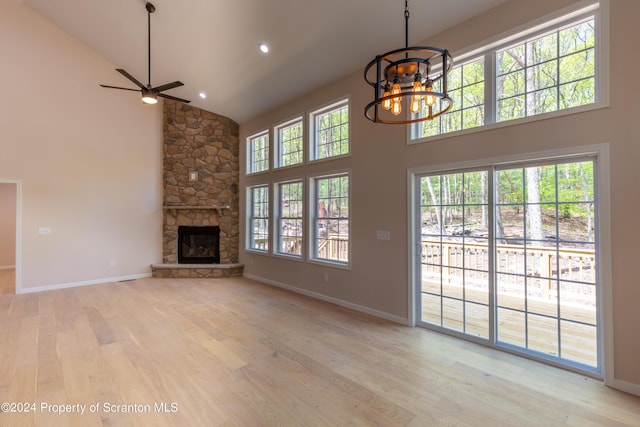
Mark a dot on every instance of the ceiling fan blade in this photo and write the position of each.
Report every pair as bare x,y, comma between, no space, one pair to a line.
173,98
121,88
168,86
130,77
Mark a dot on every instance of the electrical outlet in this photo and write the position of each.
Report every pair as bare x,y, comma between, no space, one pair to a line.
326,277
112,263
383,235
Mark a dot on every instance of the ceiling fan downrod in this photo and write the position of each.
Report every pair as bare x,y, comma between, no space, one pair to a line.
150,9
149,93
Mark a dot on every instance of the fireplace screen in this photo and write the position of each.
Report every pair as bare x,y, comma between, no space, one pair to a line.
198,245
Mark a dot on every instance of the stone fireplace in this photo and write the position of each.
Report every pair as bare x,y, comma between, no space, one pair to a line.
201,180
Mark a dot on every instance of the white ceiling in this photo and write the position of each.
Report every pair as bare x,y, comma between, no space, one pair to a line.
212,45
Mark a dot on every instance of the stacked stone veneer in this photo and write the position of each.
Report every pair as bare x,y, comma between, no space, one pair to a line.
199,141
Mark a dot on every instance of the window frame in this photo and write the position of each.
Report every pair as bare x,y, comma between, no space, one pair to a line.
556,21
251,218
312,213
278,142
250,160
313,147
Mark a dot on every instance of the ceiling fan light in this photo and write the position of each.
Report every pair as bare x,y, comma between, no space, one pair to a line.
149,97
149,100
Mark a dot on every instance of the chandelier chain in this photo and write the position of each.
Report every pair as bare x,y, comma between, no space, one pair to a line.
406,23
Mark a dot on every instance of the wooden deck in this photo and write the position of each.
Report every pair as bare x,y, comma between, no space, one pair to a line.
578,342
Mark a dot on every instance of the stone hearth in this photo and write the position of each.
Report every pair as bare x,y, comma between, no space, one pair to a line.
201,181
197,270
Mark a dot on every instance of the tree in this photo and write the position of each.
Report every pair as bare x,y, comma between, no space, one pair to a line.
534,213
434,201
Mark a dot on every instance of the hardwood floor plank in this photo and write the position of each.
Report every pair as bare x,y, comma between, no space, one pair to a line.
100,328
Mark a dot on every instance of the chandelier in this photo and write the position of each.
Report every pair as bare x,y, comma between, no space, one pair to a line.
406,77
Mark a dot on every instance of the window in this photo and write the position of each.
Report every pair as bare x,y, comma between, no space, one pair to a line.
258,153
290,212
549,73
258,221
330,130
290,143
548,69
331,218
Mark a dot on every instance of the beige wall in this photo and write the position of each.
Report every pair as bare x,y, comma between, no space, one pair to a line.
378,280
89,159
8,194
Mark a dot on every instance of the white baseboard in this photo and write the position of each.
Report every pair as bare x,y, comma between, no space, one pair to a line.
625,386
7,267
84,283
356,307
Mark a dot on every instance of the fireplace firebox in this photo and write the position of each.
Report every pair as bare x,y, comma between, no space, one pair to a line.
198,245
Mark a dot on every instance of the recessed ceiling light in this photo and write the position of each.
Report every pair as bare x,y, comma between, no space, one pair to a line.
264,48
203,95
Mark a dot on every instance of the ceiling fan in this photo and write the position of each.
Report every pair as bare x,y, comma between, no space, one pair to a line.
150,94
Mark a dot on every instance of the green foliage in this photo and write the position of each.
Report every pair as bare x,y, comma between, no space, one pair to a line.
333,196
466,90
259,151
260,201
291,199
552,72
569,186
332,133
291,144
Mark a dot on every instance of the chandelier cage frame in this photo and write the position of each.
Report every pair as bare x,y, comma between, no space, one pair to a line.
402,68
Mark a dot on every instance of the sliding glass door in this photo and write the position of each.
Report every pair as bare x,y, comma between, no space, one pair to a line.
508,257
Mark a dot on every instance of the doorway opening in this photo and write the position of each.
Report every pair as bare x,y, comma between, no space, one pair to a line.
8,237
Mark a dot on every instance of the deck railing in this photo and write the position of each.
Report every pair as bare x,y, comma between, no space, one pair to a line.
544,268
335,247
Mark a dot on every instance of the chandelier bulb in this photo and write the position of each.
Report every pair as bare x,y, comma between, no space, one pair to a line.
396,108
415,105
396,90
429,99
418,89
386,104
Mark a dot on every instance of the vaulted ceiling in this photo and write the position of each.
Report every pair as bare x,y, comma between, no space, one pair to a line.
212,45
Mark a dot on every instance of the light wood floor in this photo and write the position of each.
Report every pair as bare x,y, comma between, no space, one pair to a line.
233,352
7,281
